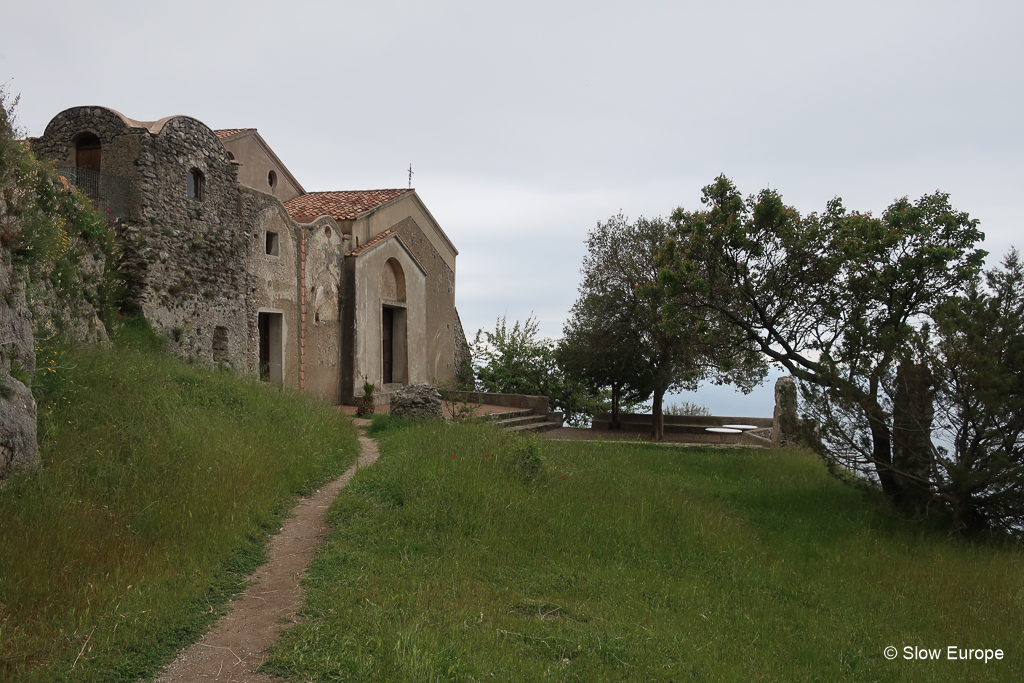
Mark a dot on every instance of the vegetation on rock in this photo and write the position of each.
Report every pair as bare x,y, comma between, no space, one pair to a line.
59,245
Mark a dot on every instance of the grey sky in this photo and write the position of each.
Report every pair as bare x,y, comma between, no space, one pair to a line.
528,122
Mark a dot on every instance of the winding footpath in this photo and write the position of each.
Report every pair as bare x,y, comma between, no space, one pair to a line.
238,643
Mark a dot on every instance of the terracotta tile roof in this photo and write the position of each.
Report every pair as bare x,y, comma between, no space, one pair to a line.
228,132
340,206
383,237
372,243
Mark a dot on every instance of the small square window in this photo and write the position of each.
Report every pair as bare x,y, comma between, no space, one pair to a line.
273,244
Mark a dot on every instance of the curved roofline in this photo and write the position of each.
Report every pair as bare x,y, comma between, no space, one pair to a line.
154,127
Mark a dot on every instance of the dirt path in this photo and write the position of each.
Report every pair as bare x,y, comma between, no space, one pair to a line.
237,644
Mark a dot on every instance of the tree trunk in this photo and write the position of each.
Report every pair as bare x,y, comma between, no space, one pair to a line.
913,412
881,452
657,417
615,406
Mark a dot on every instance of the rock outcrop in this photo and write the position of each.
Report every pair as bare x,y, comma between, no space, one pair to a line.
418,401
785,421
18,448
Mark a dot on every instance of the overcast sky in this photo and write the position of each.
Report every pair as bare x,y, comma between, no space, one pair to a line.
527,123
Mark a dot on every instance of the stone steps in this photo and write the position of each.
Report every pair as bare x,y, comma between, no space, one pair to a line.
526,421
502,418
536,427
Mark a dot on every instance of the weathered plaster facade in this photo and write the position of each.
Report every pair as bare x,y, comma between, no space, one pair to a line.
227,256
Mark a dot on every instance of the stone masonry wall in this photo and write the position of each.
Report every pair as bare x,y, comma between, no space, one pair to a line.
185,257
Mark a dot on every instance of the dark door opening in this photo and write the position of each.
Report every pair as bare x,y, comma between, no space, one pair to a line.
88,153
270,330
387,342
263,323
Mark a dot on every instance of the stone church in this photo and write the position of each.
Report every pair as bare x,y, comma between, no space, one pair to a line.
234,262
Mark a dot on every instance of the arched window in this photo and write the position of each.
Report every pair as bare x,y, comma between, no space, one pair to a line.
392,284
195,184
88,151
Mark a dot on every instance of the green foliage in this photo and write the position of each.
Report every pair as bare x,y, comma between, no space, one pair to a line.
160,481
629,335
602,346
629,562
686,408
603,343
383,423
515,361
50,229
841,300
978,364
455,405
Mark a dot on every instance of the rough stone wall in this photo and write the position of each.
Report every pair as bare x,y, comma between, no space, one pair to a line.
184,257
121,145
417,401
69,311
18,449
442,321
463,358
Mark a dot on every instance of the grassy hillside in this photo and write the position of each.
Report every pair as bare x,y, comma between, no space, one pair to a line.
467,554
161,481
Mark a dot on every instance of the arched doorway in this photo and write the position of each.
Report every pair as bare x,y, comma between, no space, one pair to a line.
393,336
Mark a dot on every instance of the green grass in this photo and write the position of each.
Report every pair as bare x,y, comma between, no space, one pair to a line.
161,481
466,554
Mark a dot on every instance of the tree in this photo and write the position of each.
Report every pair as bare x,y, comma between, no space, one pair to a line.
517,361
601,350
842,300
978,379
645,340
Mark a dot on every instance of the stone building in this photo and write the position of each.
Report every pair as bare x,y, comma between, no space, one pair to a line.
231,259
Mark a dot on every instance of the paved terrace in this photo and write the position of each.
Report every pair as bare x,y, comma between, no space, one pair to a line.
564,433
383,409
